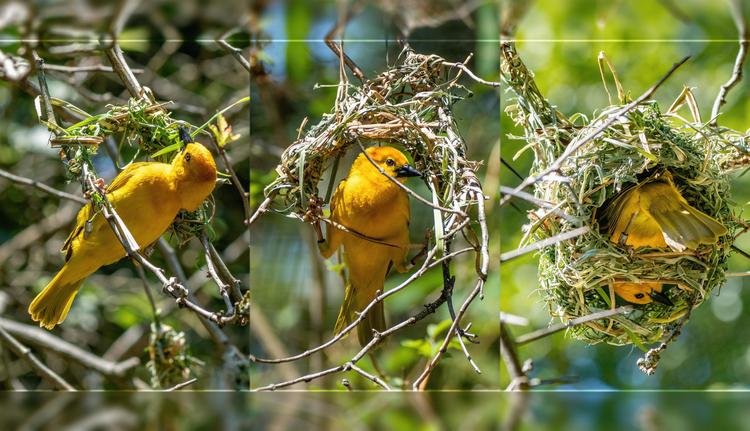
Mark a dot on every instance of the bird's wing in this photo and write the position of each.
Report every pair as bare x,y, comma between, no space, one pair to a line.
613,218
333,235
122,178
684,226
85,213
81,218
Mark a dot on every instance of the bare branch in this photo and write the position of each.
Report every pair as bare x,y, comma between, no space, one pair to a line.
471,74
407,189
245,196
378,381
344,17
451,331
541,333
38,366
41,186
519,379
47,341
555,166
544,243
362,314
121,68
235,52
179,386
743,35
87,68
262,209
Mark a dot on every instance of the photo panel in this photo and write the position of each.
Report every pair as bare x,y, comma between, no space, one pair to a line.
125,111
677,283
422,104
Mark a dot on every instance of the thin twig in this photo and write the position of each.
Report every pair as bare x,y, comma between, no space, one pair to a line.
120,66
235,52
740,22
245,196
47,341
407,189
555,166
38,366
43,187
518,377
363,313
471,74
541,333
262,209
370,377
87,68
544,243
449,335
184,384
339,28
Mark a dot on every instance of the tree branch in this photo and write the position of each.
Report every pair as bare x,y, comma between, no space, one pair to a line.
47,341
41,186
38,366
743,35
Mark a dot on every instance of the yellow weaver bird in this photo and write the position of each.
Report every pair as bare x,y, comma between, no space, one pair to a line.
371,205
147,196
654,214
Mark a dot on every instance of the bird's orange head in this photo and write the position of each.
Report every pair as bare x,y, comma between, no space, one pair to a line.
194,173
642,293
392,161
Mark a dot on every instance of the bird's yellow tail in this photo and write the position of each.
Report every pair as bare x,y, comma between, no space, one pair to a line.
51,306
374,320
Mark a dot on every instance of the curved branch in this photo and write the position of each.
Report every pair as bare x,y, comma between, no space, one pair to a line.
741,22
47,341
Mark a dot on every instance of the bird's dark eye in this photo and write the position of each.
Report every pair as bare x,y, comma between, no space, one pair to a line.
390,162
639,295
187,157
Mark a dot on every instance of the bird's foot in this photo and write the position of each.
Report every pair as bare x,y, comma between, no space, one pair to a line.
314,210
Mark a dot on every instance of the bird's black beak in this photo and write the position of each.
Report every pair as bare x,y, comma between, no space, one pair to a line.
407,171
184,137
661,298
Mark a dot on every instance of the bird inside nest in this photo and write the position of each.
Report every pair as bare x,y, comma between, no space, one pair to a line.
654,214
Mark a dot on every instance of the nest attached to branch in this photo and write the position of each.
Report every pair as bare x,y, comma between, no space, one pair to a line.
409,105
575,274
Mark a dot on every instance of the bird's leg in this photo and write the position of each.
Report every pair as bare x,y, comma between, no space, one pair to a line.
313,215
422,251
622,240
149,249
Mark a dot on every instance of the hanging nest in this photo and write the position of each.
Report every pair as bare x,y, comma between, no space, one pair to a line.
409,105
575,274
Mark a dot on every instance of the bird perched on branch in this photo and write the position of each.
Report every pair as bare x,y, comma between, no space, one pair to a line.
147,196
654,214
375,213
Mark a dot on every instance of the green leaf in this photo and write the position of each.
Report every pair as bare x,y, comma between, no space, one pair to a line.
435,329
167,149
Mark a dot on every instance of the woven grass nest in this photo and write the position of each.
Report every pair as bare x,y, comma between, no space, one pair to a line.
409,106
575,274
